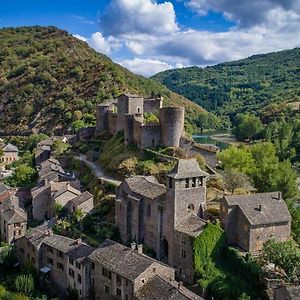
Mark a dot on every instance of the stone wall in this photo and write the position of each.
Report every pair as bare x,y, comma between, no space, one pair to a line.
112,122
150,136
152,105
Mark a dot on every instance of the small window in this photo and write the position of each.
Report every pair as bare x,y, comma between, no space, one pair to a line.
78,266
187,183
71,273
126,297
60,266
118,278
119,292
183,241
71,261
22,250
191,207
93,266
104,272
170,183
106,289
59,254
149,210
194,182
79,278
183,254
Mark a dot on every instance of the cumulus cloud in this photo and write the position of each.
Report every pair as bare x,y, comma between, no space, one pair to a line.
138,16
246,13
145,67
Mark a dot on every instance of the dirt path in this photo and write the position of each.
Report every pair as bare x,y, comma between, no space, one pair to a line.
98,171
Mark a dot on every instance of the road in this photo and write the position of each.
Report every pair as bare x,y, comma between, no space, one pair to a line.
98,170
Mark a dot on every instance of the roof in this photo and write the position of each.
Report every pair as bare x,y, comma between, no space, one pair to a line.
67,187
81,198
130,95
121,259
159,288
3,188
294,292
187,168
14,215
81,252
273,207
62,243
191,226
147,186
10,148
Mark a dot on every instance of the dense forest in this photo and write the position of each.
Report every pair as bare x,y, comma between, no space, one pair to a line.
246,85
51,81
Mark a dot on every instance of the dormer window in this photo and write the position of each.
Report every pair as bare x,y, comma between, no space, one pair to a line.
191,207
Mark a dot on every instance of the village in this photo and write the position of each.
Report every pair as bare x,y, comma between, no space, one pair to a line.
158,220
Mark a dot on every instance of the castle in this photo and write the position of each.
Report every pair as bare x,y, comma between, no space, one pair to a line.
127,114
165,218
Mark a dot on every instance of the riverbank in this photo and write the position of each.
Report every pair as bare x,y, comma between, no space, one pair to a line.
227,138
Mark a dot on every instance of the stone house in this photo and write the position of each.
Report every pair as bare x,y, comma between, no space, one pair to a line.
44,197
84,202
66,260
118,272
13,220
41,154
127,114
10,154
251,220
165,218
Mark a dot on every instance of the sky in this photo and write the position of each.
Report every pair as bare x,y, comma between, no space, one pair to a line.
149,36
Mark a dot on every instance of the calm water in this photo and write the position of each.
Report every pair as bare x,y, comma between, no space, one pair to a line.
205,138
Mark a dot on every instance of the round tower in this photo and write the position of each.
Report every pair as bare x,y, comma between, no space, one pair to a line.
172,125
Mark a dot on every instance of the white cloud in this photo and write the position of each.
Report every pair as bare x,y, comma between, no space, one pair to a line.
138,16
145,67
80,37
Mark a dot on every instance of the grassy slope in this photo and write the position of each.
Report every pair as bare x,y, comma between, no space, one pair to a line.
46,74
244,85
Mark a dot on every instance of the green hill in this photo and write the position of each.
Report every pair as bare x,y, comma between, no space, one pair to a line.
244,85
49,79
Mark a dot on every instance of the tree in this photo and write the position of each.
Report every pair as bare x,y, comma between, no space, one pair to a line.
236,180
23,175
284,255
59,147
24,284
248,126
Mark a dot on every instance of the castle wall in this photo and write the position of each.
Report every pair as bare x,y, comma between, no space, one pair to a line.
102,117
172,125
150,136
137,130
112,122
152,105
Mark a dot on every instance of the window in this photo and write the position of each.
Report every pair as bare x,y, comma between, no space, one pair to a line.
126,297
119,293
79,278
59,254
183,254
104,272
71,273
93,266
106,289
14,233
49,249
154,270
118,278
93,281
71,261
127,282
183,240
50,261
187,183
194,182
22,250
170,183
19,232
149,210
191,207
60,266
78,266
17,224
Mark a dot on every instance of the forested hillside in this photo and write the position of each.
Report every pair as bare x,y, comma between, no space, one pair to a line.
51,80
239,86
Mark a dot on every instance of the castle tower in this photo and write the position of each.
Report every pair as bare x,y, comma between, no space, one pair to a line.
172,125
102,116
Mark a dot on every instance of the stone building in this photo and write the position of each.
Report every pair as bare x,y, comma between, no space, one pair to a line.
118,272
287,293
251,220
10,154
83,202
165,218
13,220
127,114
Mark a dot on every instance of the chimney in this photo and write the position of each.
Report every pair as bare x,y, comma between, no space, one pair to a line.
140,248
260,207
180,284
78,242
279,195
133,246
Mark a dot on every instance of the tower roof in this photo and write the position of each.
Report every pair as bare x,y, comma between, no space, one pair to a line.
187,168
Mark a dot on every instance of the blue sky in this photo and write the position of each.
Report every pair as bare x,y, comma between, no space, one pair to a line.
149,36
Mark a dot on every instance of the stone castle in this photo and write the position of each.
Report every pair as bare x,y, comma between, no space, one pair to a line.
127,114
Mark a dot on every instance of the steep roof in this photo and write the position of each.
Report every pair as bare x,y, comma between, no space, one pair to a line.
81,198
121,259
187,168
10,148
67,187
191,226
146,186
273,207
159,288
11,212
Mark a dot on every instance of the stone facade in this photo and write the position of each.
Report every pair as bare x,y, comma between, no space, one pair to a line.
10,154
13,220
251,220
165,218
127,114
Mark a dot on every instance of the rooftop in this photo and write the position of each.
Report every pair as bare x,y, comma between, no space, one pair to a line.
192,226
81,198
10,148
147,186
67,187
261,208
121,259
159,288
187,168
